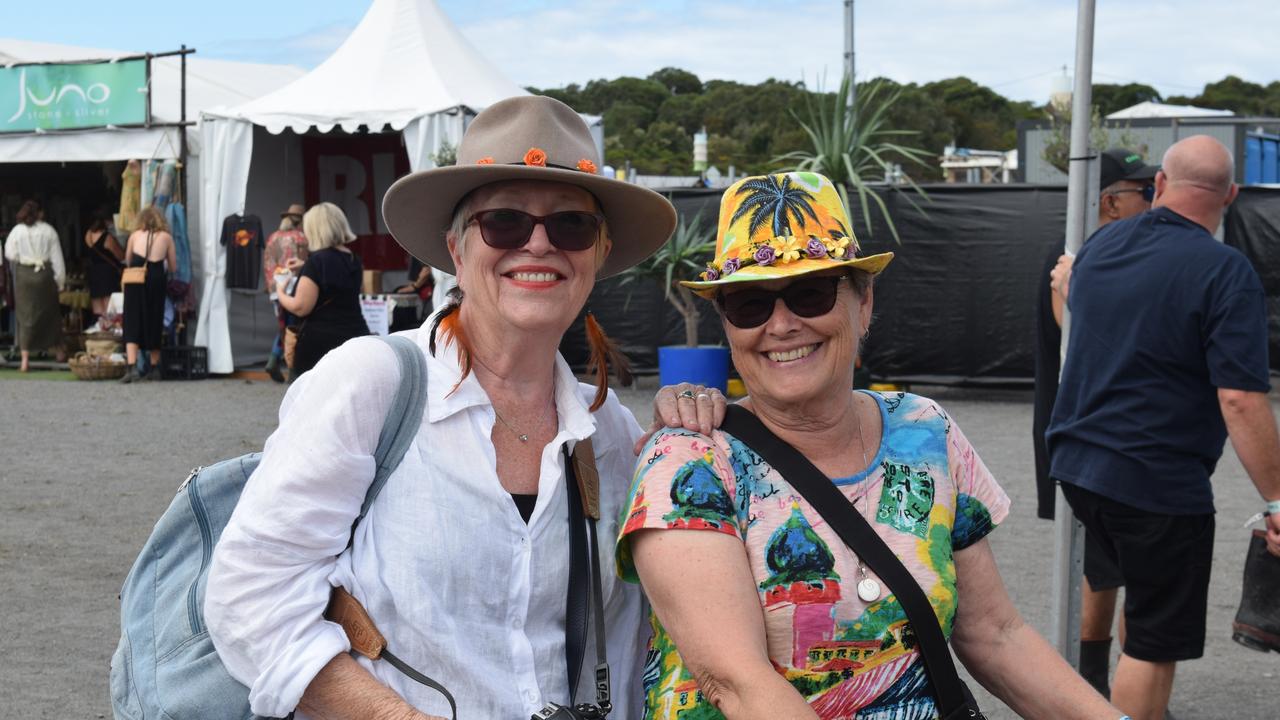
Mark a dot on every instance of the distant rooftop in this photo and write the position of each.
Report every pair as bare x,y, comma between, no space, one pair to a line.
1144,110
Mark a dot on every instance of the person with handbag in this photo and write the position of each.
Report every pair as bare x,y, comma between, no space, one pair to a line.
838,536
150,251
39,275
326,297
471,563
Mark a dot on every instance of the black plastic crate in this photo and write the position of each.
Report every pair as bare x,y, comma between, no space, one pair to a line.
184,362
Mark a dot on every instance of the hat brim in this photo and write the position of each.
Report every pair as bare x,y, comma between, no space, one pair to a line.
419,207
1146,172
873,264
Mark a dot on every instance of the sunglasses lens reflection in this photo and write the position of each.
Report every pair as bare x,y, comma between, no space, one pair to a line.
806,298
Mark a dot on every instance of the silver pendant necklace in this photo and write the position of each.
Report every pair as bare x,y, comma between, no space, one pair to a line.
523,437
868,587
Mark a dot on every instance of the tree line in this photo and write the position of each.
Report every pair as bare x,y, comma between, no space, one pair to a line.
650,121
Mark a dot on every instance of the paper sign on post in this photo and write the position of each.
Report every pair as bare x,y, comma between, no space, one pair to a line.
377,314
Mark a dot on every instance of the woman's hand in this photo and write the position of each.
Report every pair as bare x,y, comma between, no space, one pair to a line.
294,264
693,407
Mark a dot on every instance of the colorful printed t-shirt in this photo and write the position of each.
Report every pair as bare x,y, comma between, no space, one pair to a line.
931,495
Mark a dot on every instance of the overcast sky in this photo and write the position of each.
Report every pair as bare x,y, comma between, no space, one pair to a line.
1014,46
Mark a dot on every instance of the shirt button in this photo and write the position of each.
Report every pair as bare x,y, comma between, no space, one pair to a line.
531,696
517,623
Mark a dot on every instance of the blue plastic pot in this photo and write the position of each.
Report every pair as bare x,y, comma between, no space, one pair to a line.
703,365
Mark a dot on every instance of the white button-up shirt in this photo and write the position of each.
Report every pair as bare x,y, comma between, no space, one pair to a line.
462,588
36,245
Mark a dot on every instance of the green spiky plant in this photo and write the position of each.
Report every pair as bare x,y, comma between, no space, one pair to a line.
855,146
683,257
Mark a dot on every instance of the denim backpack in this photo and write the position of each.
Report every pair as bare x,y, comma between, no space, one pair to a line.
165,666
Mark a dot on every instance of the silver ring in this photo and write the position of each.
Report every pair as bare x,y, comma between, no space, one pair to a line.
704,395
687,394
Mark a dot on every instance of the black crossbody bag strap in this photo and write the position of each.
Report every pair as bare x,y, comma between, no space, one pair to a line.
954,699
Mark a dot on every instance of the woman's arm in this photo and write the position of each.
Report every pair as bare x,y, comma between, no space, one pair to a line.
716,621
1007,656
304,297
113,247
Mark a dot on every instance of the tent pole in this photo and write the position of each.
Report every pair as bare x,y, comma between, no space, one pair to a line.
1068,536
182,131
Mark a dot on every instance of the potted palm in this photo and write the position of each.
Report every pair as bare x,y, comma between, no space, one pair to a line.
684,257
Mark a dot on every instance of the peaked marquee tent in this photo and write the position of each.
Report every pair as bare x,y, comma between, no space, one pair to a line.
405,68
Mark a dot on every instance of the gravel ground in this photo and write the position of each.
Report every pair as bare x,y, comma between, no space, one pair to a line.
85,469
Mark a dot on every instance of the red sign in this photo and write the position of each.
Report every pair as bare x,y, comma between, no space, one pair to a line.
354,172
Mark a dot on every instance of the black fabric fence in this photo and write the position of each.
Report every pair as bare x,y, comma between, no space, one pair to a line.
958,304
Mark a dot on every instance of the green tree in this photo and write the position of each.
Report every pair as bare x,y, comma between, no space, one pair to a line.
677,81
1109,98
1057,149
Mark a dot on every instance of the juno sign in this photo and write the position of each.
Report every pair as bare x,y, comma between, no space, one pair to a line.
73,95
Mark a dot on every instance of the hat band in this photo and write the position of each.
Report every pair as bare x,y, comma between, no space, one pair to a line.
537,157
784,250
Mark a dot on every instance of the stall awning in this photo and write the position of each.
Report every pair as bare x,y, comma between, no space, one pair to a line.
97,145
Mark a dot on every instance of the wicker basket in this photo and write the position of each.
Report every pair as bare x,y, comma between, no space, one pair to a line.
85,367
101,348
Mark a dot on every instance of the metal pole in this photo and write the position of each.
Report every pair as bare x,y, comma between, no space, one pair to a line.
848,50
182,131
1068,536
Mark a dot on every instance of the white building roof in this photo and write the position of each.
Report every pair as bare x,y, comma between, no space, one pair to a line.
1148,109
403,61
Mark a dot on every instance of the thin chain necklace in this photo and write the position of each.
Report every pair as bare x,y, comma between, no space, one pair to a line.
523,437
868,587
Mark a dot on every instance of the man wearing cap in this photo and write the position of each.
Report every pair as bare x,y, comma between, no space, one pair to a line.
1127,190
286,244
1167,358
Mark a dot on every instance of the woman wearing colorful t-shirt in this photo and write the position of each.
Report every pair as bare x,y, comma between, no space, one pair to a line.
763,611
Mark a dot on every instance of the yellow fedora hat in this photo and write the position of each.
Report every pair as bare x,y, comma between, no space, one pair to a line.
780,226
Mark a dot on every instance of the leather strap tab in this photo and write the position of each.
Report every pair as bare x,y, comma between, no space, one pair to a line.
347,611
584,465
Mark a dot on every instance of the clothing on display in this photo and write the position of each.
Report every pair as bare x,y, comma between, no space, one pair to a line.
176,216
243,238
130,197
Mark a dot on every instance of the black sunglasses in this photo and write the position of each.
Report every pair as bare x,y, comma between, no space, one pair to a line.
508,229
1148,192
808,298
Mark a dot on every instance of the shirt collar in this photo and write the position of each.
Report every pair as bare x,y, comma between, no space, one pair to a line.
575,419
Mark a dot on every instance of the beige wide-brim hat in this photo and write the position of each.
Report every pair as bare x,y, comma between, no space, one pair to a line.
525,138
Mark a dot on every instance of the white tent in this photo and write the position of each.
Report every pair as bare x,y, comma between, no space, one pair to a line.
405,66
1149,109
210,83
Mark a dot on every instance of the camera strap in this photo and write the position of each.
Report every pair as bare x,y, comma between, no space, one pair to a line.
582,481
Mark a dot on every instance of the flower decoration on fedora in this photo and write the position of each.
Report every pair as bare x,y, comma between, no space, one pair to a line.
587,166
486,160
778,226
536,157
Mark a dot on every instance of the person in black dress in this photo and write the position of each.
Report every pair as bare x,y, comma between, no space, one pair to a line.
106,258
327,295
150,246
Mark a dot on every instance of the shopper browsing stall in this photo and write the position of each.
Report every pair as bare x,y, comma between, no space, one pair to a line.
150,250
285,244
39,274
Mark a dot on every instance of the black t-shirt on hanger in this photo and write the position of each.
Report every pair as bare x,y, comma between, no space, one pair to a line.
242,236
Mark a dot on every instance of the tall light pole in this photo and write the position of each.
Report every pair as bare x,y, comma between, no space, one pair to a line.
848,51
1082,214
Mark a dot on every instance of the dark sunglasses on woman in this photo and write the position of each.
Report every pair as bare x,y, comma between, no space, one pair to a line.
807,298
508,229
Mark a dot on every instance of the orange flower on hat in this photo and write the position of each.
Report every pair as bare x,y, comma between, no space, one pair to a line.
486,160
587,166
535,157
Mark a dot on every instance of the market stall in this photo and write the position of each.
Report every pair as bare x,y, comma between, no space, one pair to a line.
81,128
404,83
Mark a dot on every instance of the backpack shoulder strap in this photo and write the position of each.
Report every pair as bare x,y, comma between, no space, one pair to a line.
403,418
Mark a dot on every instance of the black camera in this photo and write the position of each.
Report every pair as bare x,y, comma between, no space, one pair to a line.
578,712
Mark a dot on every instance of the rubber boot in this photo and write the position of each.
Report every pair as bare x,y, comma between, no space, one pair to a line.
1257,624
1095,664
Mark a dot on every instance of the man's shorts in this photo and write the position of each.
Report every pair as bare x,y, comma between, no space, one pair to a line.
1101,571
1164,562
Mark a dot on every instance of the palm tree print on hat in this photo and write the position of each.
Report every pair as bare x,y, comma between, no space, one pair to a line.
774,199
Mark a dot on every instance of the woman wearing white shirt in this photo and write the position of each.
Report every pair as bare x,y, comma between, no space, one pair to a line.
462,561
39,274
